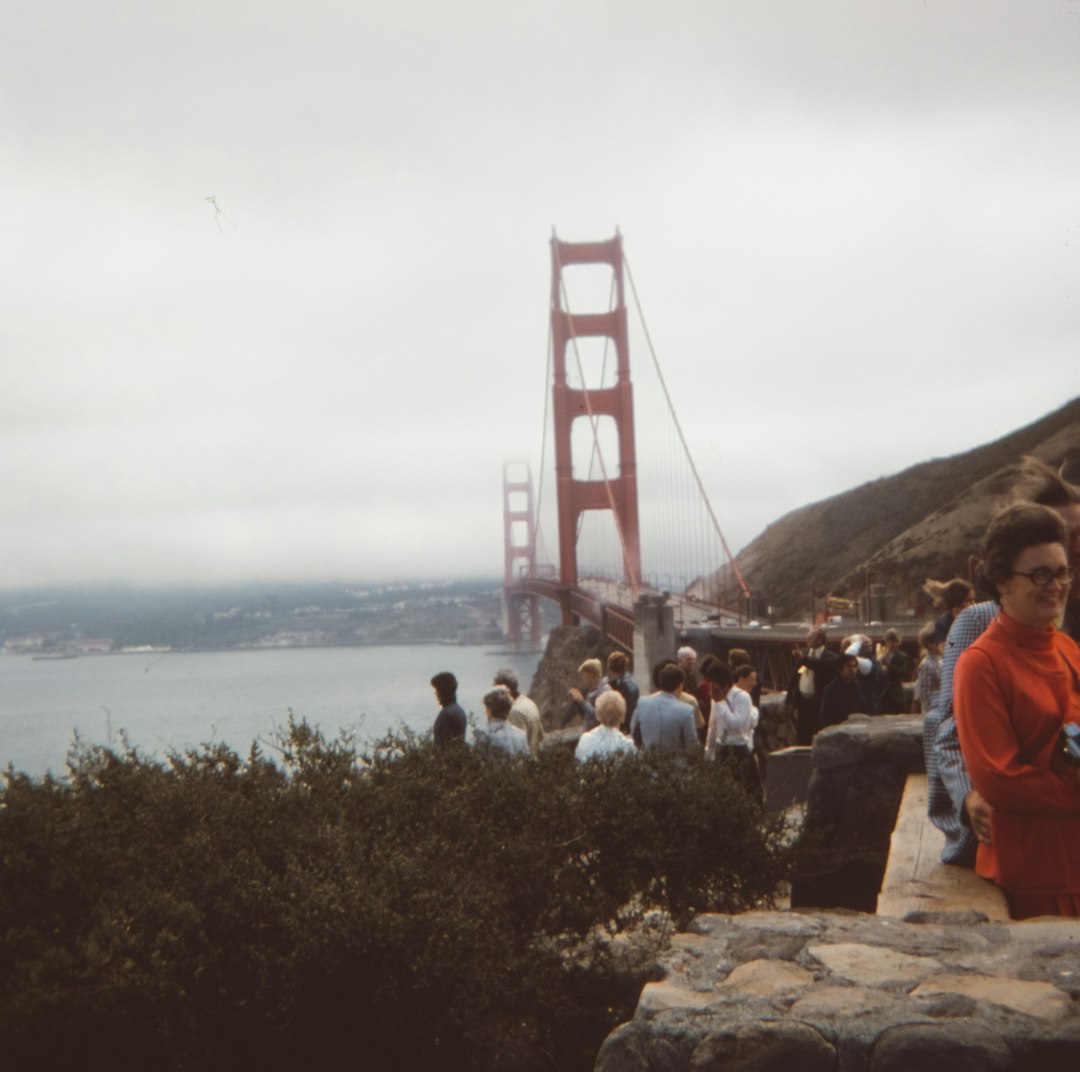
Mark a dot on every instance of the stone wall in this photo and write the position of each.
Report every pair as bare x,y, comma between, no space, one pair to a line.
860,768
825,991
776,724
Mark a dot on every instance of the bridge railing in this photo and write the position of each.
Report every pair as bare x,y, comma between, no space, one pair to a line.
615,621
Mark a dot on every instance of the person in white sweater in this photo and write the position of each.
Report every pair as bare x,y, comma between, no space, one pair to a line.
734,717
607,739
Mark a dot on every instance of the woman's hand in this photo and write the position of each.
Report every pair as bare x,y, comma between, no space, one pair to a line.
979,812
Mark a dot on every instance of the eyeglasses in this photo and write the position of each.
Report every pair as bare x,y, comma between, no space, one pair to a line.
1042,576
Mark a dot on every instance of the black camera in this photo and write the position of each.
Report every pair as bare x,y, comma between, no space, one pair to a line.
1070,743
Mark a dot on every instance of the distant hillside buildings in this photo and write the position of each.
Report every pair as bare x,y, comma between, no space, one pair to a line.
42,643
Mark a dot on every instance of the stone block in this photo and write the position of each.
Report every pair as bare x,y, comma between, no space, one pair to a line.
940,1048
896,739
873,965
768,978
841,746
776,726
767,1046
787,776
1042,1000
832,1002
656,997
629,1048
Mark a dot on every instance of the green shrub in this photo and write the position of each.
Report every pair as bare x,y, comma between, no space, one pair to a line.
401,909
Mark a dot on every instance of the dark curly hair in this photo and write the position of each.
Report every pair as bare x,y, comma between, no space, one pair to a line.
1013,529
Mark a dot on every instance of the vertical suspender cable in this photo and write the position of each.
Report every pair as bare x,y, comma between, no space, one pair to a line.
543,444
682,439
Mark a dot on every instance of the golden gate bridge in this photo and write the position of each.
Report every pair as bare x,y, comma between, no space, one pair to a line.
616,567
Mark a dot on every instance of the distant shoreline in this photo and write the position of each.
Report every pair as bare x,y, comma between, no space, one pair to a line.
48,656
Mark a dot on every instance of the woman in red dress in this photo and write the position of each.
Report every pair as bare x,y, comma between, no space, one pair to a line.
1016,687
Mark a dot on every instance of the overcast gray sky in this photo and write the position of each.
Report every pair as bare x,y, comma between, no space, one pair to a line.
854,226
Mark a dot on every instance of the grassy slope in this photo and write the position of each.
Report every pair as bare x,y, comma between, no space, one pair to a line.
922,522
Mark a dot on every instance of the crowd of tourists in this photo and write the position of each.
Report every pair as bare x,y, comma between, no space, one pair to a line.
862,678
672,717
616,719
998,684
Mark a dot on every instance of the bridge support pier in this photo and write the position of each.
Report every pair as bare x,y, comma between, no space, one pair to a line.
654,636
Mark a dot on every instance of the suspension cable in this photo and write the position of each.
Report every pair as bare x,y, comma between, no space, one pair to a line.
682,438
536,533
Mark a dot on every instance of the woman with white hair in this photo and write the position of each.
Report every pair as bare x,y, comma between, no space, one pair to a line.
686,657
606,739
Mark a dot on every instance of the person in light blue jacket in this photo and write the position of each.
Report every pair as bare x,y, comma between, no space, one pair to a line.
500,733
662,719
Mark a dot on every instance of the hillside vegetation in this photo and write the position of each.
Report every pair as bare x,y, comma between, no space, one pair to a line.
923,522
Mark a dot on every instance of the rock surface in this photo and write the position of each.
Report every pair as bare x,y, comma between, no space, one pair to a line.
845,991
567,648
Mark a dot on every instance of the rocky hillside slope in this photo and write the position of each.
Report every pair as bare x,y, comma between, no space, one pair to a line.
923,522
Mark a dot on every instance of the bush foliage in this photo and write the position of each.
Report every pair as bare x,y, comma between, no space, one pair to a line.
403,908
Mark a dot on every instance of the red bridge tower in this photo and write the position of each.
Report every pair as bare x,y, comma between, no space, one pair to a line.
616,492
519,529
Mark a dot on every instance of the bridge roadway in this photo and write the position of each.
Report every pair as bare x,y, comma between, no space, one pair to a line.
614,619
609,606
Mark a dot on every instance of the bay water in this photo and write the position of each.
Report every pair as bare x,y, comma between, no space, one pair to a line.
179,700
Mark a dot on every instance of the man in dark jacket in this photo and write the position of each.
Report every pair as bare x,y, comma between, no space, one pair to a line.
842,696
450,722
618,667
815,667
